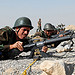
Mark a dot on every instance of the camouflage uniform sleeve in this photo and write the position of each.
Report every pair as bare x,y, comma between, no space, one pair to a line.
1,47
4,47
3,41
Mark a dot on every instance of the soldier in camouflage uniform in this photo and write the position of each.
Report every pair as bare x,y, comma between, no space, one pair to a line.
39,25
12,40
49,30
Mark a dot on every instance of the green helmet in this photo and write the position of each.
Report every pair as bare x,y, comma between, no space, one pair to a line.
23,22
49,26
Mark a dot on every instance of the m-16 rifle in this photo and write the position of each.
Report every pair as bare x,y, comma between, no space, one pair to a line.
50,41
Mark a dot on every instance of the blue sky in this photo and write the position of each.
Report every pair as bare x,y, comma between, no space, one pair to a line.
52,11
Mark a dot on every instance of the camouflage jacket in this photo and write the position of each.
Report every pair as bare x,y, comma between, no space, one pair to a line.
7,37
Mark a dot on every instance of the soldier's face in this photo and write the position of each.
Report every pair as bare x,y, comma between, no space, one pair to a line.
48,32
23,32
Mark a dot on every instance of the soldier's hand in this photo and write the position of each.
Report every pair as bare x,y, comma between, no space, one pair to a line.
17,45
44,49
61,35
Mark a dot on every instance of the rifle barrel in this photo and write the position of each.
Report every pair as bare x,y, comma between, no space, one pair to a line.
46,42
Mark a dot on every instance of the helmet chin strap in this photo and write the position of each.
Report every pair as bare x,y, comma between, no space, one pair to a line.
17,32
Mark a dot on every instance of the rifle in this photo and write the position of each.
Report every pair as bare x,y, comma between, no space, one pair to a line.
67,32
50,41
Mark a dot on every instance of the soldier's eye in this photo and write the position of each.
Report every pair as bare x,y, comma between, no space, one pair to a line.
26,30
